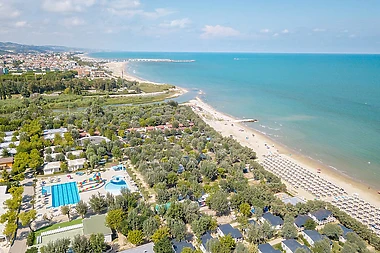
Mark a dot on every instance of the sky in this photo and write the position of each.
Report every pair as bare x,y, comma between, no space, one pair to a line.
350,26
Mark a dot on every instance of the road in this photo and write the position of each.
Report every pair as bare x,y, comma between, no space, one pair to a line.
19,244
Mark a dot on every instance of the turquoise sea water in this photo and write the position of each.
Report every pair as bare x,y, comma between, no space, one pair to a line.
323,105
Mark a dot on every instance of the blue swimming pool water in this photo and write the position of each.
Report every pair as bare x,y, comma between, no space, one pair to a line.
46,189
64,194
115,185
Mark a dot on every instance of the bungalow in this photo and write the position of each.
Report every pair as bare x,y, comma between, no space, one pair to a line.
51,168
95,140
76,153
322,216
6,162
300,221
312,236
204,239
76,164
8,144
227,229
275,221
267,248
179,246
96,224
291,245
343,237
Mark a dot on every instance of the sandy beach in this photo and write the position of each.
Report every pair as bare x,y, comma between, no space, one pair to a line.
264,146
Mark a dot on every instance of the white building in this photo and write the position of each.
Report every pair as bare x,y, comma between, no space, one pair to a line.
76,164
52,167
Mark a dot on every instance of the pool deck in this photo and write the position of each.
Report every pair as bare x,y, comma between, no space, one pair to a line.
44,204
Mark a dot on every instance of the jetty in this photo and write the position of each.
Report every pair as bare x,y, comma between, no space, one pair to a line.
245,120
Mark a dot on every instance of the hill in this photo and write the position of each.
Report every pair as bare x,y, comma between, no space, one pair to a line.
10,47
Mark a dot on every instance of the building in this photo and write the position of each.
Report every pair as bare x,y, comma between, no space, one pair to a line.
291,245
343,237
204,239
300,221
312,236
322,216
3,197
96,224
76,153
292,200
49,134
267,248
96,140
146,248
6,163
275,221
76,164
227,229
179,246
51,168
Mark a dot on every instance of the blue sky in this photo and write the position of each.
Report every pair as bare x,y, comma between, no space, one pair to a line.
195,25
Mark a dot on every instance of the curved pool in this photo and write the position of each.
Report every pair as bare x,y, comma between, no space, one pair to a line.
115,185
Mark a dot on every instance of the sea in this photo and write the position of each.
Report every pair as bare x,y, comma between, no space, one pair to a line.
324,106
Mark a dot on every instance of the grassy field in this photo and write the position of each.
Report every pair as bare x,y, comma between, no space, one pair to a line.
58,225
149,87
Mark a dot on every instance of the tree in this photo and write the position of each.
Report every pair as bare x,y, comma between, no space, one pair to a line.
135,237
332,231
32,250
241,248
65,210
114,219
354,239
98,203
289,231
310,224
150,226
227,244
245,209
30,238
177,229
302,250
163,246
80,244
27,218
160,234
219,203
97,243
35,159
322,246
81,208
58,246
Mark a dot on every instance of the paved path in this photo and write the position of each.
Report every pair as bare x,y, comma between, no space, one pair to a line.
19,244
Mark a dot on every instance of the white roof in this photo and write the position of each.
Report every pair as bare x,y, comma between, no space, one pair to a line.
52,165
75,162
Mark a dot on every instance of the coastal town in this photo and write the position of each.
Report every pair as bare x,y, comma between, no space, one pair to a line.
155,177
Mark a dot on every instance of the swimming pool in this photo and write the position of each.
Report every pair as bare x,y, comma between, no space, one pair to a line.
64,194
115,185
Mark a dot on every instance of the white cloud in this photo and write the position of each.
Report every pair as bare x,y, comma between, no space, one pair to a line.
121,4
20,24
177,23
8,11
63,6
319,30
285,31
264,30
219,31
345,31
73,21
352,36
275,35
157,13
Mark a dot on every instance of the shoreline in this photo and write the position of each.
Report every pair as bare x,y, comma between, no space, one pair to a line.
222,123
346,182
118,69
